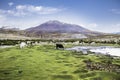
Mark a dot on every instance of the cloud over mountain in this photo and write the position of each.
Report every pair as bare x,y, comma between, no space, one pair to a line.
25,10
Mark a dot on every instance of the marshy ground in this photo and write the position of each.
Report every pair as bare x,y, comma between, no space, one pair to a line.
44,62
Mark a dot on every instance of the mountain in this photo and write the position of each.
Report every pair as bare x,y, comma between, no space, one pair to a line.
56,28
9,30
49,30
12,33
116,33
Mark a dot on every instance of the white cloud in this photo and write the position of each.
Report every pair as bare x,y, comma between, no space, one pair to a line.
109,28
24,10
2,18
93,25
10,3
118,25
11,23
115,11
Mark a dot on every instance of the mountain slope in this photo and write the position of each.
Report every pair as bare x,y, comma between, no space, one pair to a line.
59,28
56,26
50,30
12,33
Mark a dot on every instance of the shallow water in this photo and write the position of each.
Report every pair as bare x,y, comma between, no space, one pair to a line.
99,49
6,46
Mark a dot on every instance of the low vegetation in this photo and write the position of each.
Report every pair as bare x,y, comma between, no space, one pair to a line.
87,41
44,62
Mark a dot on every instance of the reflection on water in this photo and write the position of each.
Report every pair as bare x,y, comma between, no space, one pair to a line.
99,50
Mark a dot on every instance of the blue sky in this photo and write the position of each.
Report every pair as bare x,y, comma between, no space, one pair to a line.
98,15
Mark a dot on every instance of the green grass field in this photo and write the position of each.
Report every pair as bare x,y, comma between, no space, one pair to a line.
46,63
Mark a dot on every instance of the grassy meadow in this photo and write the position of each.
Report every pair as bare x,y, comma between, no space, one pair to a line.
44,62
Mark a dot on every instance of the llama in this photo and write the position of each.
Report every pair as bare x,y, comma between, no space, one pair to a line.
22,45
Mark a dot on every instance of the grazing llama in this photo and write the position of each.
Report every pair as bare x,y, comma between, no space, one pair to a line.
22,45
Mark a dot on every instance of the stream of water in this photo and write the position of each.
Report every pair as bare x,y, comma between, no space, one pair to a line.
99,49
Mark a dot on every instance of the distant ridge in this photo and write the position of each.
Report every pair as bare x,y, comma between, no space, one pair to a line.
52,29
57,26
